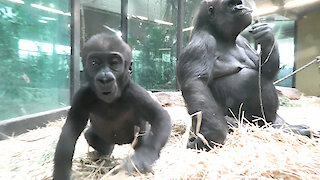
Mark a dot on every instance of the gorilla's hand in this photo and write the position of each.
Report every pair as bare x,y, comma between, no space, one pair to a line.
142,160
263,34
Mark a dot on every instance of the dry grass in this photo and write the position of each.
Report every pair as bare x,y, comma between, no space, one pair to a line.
249,153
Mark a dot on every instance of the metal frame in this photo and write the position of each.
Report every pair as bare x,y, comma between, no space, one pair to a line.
180,27
180,23
124,20
75,48
295,53
19,125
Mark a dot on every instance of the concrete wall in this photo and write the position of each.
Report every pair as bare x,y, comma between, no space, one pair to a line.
307,48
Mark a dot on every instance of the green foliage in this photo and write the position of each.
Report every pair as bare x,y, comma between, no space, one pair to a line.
155,57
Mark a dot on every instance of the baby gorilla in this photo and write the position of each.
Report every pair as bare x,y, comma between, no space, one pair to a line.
116,107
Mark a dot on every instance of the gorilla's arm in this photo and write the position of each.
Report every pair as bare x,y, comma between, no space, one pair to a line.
198,98
74,125
194,71
149,149
263,35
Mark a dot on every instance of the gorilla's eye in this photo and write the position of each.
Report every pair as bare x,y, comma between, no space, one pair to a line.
114,61
95,62
231,3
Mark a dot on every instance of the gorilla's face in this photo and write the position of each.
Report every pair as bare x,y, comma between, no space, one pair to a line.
106,70
106,61
229,16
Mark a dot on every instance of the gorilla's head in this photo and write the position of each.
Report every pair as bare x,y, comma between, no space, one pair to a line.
106,60
225,18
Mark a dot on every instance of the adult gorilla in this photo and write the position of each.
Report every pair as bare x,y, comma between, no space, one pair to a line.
218,70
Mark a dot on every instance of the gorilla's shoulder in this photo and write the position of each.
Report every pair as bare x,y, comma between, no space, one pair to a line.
84,97
202,39
134,91
138,96
201,43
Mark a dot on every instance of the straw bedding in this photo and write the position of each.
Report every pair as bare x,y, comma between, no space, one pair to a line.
248,153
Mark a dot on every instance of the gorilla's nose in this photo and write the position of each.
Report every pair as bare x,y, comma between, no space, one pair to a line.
106,78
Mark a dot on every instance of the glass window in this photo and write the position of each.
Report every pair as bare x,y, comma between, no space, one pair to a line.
35,50
152,28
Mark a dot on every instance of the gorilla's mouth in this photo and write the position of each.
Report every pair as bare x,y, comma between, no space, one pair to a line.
244,12
106,93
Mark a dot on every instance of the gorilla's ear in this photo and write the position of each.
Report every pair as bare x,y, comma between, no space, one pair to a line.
211,11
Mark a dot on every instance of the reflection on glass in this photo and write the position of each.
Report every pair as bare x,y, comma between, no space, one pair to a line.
152,36
35,50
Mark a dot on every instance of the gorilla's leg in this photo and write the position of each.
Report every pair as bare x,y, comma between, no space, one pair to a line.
98,143
302,129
